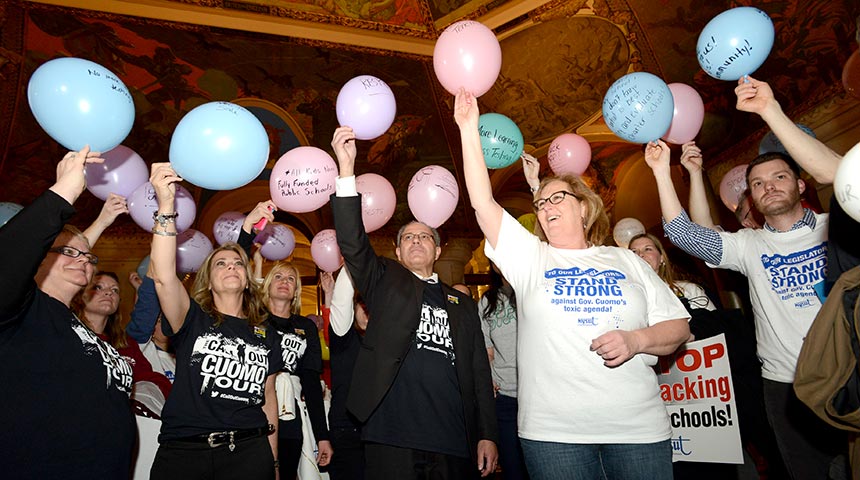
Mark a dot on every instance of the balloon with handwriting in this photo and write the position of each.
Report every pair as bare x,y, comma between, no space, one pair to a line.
78,103
846,184
302,180
192,248
687,116
733,185
7,211
378,200
143,267
219,146
325,252
227,227
366,104
501,140
735,43
569,153
121,173
769,143
432,195
142,204
638,107
625,229
278,241
467,54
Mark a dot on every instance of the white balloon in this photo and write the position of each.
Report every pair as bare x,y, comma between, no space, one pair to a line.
846,185
625,229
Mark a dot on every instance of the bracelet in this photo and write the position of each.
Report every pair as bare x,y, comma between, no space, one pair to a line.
164,218
163,233
534,189
277,464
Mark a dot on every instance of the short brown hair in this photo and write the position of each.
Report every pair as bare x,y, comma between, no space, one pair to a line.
596,222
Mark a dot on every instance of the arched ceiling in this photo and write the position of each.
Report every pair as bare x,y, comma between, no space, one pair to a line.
288,59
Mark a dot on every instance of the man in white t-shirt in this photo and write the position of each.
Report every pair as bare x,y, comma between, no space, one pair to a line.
785,263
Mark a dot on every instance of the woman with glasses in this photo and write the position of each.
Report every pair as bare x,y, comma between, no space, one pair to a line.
591,321
65,411
97,306
220,418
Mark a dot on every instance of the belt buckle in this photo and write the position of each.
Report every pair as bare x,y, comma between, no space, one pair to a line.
212,439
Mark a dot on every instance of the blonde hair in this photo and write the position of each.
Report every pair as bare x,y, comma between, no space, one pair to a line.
252,305
596,223
296,303
665,270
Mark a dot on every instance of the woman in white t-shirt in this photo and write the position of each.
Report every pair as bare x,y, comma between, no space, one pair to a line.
590,321
649,248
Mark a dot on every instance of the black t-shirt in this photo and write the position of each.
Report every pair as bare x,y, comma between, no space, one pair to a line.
344,352
221,373
64,410
301,353
423,409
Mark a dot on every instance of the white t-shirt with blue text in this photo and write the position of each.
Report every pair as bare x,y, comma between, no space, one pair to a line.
565,299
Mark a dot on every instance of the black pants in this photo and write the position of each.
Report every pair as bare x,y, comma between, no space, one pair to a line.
347,463
289,454
251,459
386,461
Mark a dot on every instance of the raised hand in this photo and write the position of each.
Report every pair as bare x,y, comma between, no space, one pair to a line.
343,143
70,173
531,170
466,112
755,96
163,180
262,210
691,157
657,155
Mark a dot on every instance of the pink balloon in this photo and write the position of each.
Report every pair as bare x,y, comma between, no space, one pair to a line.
227,227
378,200
121,173
688,116
192,248
302,180
142,204
278,241
467,55
325,252
569,153
366,104
433,195
732,186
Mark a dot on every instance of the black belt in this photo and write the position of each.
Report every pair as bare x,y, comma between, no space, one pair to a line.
229,437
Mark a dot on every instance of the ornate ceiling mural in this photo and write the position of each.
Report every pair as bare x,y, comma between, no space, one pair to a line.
559,58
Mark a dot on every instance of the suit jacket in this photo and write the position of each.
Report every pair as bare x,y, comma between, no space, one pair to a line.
394,296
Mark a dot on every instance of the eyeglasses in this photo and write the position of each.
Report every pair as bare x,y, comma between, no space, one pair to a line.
554,199
75,253
424,237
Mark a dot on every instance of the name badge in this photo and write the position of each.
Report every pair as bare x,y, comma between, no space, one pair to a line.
453,299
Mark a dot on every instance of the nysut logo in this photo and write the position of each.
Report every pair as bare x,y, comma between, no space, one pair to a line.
682,446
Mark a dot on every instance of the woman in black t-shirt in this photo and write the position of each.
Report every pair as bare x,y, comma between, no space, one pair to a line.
221,415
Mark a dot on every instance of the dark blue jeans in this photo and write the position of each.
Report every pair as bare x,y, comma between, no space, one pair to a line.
510,451
612,461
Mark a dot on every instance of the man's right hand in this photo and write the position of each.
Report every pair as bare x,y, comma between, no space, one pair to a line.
343,143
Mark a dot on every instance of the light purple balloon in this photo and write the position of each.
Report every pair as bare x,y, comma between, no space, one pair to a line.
278,241
325,251
142,204
192,248
121,173
366,104
227,227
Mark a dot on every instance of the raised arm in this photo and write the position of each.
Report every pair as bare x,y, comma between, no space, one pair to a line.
657,156
171,293
700,210
531,170
145,313
112,208
487,211
813,156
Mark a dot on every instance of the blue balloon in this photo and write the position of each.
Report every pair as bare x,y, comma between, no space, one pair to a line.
772,144
638,107
143,266
501,140
735,43
219,146
78,103
7,211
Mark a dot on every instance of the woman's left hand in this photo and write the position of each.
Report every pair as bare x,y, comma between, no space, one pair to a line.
616,347
325,453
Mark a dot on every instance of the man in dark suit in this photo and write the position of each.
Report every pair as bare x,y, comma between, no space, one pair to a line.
422,383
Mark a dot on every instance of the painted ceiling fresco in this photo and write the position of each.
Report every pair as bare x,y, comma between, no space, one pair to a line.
558,61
